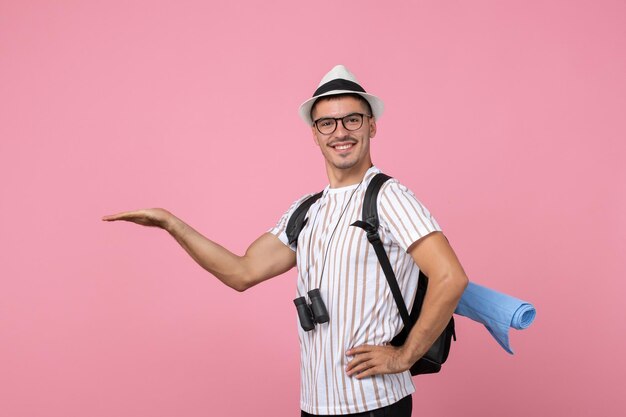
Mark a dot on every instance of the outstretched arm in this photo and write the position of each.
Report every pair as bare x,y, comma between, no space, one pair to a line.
266,257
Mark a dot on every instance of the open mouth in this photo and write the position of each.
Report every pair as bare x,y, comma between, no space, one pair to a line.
343,146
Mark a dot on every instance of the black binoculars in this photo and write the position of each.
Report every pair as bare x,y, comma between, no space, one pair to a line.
309,314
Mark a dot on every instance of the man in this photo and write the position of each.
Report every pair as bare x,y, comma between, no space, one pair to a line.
347,365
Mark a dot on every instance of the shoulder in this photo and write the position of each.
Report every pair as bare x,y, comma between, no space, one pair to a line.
400,209
391,185
280,229
395,193
305,200
390,192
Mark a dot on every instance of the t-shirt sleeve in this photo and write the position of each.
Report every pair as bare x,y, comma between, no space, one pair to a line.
403,215
280,230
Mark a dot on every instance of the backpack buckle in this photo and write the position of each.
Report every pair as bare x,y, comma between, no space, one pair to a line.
371,230
373,236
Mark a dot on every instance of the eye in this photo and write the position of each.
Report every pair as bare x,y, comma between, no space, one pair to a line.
352,119
325,122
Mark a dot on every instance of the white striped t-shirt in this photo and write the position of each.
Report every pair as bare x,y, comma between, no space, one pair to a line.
354,289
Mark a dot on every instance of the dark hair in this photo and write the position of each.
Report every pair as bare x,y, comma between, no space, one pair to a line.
363,101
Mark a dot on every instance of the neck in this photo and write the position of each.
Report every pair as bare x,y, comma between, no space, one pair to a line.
344,177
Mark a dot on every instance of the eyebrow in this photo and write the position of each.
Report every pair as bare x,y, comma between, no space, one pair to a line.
340,117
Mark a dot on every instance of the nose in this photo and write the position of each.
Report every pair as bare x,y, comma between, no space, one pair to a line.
340,130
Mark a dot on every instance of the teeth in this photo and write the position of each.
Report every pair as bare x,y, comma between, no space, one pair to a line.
342,147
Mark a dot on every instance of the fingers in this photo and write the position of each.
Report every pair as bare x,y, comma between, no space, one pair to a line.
359,354
359,371
358,360
360,349
120,216
372,360
374,370
142,217
367,365
366,361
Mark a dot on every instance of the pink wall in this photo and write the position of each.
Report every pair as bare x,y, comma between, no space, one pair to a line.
506,119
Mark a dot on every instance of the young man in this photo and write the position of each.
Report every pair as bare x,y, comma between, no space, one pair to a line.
347,365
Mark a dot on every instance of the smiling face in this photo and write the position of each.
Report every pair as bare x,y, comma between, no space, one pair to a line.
347,153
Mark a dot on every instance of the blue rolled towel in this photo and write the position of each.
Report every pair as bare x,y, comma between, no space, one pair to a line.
497,311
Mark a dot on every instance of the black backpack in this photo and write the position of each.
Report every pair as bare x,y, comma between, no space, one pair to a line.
438,353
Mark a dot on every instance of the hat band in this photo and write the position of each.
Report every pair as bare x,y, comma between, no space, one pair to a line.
338,84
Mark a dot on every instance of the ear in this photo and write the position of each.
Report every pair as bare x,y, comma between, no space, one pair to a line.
372,128
314,133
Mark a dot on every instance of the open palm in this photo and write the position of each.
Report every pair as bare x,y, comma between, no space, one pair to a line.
153,217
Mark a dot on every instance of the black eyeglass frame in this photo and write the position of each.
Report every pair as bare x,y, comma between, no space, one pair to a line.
335,119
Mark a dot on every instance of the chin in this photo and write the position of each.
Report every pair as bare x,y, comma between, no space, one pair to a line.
345,164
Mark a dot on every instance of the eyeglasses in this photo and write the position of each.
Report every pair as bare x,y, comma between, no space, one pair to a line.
351,122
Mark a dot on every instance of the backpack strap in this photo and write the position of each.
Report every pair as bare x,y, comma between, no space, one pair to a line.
370,224
298,218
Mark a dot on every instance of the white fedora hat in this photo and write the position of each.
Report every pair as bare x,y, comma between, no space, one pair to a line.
340,81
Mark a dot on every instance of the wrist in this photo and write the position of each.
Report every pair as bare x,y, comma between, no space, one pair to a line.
173,225
414,346
407,357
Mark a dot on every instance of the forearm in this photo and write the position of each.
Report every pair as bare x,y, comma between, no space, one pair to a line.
265,258
219,261
442,297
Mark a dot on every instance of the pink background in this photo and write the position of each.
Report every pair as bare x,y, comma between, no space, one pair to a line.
505,117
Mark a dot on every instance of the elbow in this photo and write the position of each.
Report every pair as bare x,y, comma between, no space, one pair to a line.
238,282
240,287
239,279
461,282
456,283
243,284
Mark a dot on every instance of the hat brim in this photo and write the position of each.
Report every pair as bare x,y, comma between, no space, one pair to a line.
376,104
